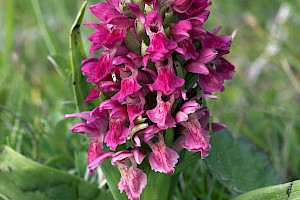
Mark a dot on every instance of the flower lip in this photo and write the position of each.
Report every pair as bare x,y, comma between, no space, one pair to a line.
162,158
161,114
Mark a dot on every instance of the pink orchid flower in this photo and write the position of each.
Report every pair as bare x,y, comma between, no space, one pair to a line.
133,180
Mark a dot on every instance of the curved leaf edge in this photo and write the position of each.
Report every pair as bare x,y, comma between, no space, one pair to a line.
14,166
228,182
290,190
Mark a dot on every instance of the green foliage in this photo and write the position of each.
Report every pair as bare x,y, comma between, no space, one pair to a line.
158,186
285,191
238,165
22,179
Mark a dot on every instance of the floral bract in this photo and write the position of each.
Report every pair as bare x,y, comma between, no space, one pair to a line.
157,66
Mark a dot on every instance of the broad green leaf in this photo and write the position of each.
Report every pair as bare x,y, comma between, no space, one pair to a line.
238,164
22,179
80,86
287,191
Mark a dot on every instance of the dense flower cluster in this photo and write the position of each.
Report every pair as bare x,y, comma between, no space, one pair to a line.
156,66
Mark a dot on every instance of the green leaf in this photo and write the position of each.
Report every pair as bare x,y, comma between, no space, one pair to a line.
80,86
22,179
187,163
238,164
158,186
285,191
48,36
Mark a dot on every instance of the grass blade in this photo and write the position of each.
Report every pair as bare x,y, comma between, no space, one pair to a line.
43,27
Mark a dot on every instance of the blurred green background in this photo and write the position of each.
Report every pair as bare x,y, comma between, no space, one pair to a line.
260,103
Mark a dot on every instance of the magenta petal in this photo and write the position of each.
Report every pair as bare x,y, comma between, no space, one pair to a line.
110,15
196,8
118,112
83,115
182,6
180,30
115,36
161,114
199,19
103,67
133,181
92,95
167,81
162,158
187,108
109,86
181,117
88,66
93,126
120,156
214,80
135,106
197,68
117,133
128,74
106,36
197,138
159,46
83,127
220,43
129,86
97,69
190,107
187,49
139,155
218,126
97,161
137,141
210,82
109,104
150,132
136,11
183,94
206,55
98,37
104,11
224,69
153,21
